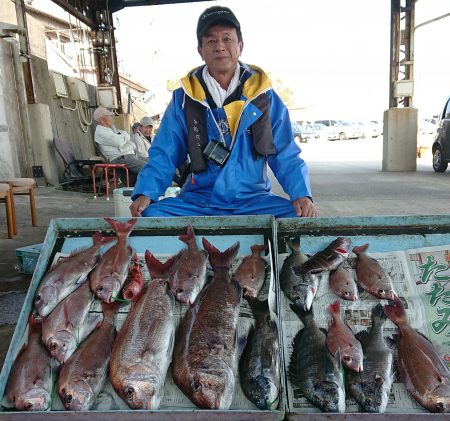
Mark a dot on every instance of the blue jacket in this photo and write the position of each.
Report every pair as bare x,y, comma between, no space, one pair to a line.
244,177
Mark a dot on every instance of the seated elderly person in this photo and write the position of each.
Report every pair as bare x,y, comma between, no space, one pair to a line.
141,138
115,145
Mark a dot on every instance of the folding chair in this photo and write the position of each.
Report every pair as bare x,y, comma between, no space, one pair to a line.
77,172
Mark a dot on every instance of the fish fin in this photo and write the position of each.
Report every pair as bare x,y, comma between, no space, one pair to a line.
122,229
218,258
335,309
242,341
390,343
293,361
395,311
99,239
110,310
293,243
66,313
297,270
259,308
258,249
34,325
362,336
189,236
360,249
303,315
158,269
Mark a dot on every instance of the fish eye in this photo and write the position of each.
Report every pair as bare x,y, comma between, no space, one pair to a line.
368,401
53,345
196,386
439,406
100,288
346,293
38,297
179,290
69,398
381,291
347,358
129,392
28,406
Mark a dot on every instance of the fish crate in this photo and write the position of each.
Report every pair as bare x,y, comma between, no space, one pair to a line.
160,237
410,249
28,257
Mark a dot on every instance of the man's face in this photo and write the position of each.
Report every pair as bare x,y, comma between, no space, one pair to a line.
220,49
146,130
106,121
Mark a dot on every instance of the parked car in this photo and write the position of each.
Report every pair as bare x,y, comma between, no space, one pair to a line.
300,133
441,144
370,129
321,130
340,129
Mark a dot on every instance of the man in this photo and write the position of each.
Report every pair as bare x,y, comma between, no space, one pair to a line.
115,145
229,122
142,136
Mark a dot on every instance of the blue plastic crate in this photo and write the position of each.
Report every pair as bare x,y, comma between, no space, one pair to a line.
28,257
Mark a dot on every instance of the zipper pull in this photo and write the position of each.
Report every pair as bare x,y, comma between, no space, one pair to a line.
192,179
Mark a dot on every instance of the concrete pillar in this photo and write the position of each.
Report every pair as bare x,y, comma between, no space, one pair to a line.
42,141
400,139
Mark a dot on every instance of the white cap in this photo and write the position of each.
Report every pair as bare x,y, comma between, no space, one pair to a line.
101,112
146,121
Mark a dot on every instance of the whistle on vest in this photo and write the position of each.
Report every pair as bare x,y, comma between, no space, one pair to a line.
216,152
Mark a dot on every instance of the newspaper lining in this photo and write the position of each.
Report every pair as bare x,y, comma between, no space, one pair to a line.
421,278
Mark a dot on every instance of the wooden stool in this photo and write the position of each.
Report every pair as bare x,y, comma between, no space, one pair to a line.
105,168
21,187
6,197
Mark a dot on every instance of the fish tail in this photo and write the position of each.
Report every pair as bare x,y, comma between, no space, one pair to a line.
335,309
395,311
293,244
34,325
304,315
259,308
189,236
110,310
156,268
122,229
258,249
378,314
219,259
360,249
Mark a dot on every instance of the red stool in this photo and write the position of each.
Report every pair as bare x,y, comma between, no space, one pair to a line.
106,167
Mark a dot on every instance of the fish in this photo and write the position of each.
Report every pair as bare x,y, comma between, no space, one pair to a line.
83,374
341,282
341,341
371,387
312,367
68,324
189,274
109,275
29,386
66,275
135,281
288,279
371,276
422,370
259,365
143,347
327,259
251,272
204,364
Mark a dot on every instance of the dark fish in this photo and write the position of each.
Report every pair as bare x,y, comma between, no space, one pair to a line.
341,282
327,259
371,276
422,370
251,272
341,341
288,279
189,274
29,386
143,348
205,355
372,387
66,276
67,325
135,281
111,272
313,369
82,376
259,366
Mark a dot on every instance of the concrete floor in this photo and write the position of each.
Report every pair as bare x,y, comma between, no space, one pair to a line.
341,188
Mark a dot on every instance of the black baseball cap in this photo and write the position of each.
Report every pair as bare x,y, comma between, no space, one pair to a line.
213,15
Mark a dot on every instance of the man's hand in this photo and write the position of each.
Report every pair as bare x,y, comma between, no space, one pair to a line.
305,207
138,205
